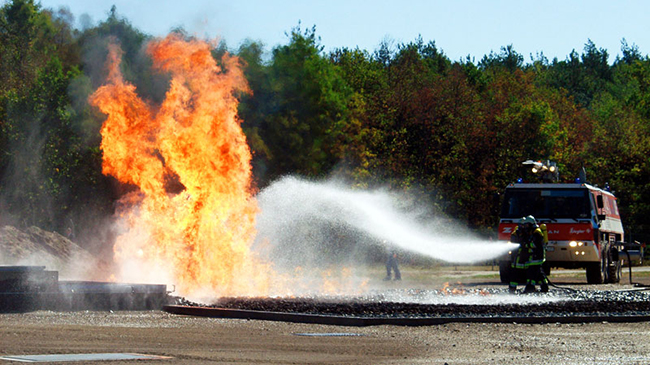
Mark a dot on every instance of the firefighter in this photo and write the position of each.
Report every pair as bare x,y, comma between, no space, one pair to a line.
530,256
391,263
519,259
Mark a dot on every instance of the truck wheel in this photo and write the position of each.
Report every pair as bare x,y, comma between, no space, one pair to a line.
614,272
505,271
594,273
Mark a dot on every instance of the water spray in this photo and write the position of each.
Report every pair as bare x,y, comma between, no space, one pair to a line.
290,205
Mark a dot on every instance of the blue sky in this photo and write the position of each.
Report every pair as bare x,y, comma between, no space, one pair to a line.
459,28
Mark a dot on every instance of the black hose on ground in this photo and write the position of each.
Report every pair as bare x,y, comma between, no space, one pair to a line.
629,261
557,286
550,283
629,264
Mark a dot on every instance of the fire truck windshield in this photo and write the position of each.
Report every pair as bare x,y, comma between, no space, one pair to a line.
546,203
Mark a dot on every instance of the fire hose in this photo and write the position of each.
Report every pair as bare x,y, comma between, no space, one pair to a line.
550,283
640,286
625,248
629,262
556,286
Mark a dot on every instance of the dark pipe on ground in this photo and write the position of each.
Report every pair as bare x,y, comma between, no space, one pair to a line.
395,321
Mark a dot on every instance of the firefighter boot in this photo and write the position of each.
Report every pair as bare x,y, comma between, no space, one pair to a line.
530,288
544,287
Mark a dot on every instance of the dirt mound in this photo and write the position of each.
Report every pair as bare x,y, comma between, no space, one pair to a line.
35,246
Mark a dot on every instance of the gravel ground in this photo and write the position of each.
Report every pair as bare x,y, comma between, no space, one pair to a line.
199,340
192,340
433,303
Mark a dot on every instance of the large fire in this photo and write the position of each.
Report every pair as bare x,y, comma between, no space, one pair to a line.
193,215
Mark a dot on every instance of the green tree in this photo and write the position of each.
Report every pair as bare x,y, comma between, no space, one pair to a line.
582,76
368,79
25,42
302,112
48,177
508,58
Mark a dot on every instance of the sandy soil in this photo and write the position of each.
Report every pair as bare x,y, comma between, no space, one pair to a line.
193,340
196,340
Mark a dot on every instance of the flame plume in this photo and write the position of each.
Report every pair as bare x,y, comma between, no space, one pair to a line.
193,215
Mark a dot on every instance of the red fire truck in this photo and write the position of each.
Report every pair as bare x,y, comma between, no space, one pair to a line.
583,225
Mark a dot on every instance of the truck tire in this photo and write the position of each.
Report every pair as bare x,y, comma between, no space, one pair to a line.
595,273
614,272
615,266
505,271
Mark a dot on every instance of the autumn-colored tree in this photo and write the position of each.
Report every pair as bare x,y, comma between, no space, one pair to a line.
403,115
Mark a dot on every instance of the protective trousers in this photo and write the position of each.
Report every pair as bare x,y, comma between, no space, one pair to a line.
535,276
534,270
519,267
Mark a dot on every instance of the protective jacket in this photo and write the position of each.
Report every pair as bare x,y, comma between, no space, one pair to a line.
531,248
529,258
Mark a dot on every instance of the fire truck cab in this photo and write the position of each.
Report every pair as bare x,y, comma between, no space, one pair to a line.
583,225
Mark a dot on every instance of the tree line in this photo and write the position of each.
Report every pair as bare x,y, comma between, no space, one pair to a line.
404,116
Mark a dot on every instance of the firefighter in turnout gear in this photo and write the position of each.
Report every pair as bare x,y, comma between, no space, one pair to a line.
529,258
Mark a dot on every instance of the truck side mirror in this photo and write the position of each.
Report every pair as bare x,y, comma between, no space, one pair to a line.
601,217
599,202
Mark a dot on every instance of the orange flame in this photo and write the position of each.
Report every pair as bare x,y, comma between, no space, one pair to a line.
194,212
453,291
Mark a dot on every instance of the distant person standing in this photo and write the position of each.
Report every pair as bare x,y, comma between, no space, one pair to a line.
392,264
69,234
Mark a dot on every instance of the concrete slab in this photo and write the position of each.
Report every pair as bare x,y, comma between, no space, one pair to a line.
82,357
328,334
